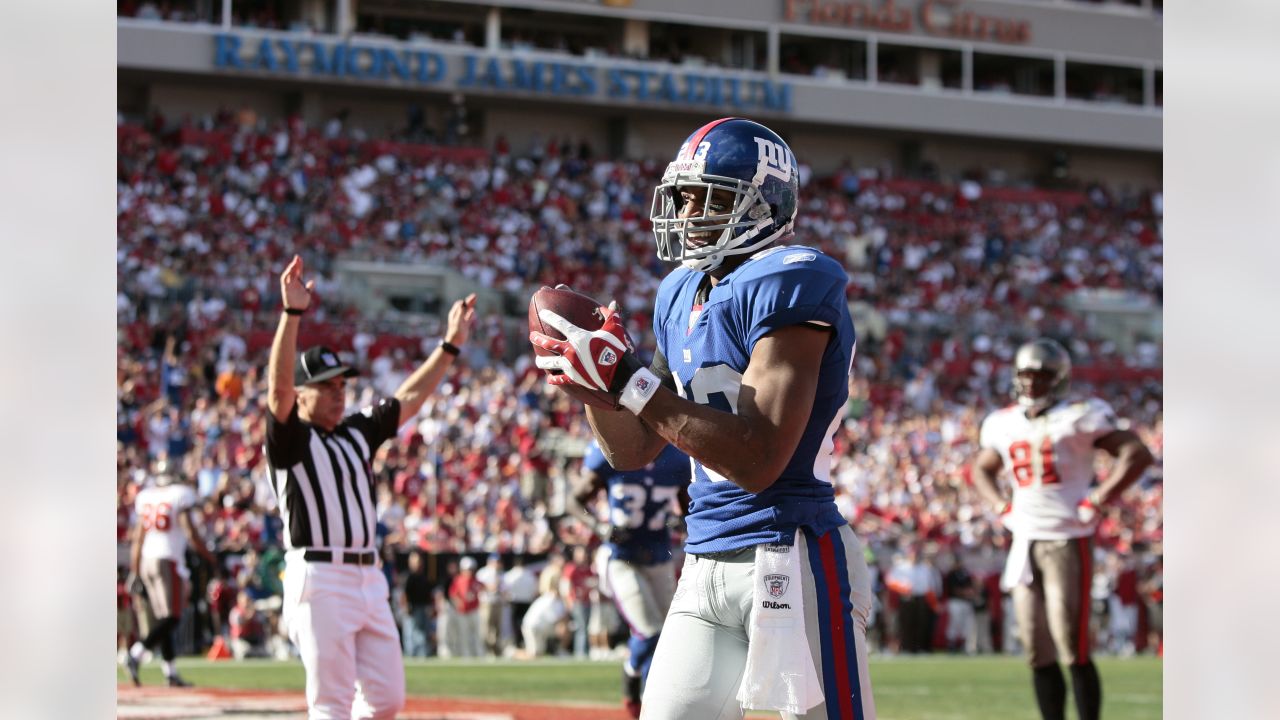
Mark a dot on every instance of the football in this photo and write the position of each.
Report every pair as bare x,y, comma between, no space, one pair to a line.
580,310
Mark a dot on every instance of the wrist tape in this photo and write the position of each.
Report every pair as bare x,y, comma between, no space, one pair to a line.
639,390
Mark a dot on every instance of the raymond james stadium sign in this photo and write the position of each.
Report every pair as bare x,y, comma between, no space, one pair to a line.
406,64
943,18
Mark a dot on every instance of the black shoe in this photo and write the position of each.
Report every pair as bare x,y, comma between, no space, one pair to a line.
631,688
175,681
131,664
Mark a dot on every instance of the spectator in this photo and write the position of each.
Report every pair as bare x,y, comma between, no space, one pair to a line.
464,595
602,624
447,642
492,604
417,630
521,587
917,585
545,620
248,629
1123,604
575,585
960,592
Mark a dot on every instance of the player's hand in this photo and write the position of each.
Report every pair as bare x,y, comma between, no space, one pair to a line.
584,494
461,317
1004,513
617,535
1088,509
134,585
294,294
588,358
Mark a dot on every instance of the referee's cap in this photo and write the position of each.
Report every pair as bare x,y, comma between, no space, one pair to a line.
319,364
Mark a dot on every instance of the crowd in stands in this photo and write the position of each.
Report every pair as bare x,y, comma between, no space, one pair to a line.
262,14
947,278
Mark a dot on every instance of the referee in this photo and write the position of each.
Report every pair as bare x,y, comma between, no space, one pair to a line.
336,607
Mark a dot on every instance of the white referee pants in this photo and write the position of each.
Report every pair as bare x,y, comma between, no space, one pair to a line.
339,617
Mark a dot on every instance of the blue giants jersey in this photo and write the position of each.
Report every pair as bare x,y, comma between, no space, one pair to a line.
708,354
640,501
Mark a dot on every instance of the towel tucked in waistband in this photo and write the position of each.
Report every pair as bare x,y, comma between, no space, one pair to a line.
780,674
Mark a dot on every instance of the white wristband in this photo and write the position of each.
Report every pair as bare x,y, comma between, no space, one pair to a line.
639,390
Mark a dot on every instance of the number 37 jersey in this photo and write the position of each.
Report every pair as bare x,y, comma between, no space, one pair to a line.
707,349
1050,460
640,502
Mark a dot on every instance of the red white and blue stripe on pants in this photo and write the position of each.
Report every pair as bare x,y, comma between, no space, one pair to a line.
840,681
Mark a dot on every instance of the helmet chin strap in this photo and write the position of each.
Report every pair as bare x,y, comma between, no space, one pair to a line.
1040,403
717,258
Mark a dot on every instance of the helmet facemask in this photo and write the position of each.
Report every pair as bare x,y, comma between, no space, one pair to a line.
744,228
1035,388
1041,375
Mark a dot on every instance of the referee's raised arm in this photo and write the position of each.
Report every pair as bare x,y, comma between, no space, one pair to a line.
413,392
295,297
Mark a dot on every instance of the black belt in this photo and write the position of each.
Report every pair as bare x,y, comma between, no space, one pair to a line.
746,554
346,558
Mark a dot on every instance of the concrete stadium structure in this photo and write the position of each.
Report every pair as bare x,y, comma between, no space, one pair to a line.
921,86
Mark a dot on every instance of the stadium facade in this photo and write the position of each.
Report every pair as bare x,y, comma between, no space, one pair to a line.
1034,88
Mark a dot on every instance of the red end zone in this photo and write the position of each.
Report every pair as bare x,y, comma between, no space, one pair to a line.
160,703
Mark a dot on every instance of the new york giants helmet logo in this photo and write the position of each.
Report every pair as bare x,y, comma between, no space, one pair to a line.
774,160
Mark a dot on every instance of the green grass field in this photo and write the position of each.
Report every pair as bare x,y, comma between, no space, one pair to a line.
907,688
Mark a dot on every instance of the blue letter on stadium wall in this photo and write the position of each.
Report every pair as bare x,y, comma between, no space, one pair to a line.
355,68
777,96
393,62
290,50
226,51
586,81
332,63
266,59
430,66
617,82
468,71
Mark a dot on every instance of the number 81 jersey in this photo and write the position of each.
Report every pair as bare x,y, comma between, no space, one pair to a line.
708,347
1050,459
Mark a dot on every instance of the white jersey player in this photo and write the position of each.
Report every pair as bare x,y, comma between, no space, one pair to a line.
158,509
1050,457
158,565
1048,444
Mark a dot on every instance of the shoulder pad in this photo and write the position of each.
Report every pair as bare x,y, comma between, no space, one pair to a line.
788,258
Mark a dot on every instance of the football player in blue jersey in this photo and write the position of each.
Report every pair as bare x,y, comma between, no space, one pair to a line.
750,378
639,574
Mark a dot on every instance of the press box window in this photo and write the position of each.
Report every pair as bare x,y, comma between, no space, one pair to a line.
1104,83
1012,75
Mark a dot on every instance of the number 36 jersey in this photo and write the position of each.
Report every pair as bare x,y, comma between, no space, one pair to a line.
707,349
1050,458
158,509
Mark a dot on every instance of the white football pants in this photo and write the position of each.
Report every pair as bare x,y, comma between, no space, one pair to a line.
339,617
702,651
642,594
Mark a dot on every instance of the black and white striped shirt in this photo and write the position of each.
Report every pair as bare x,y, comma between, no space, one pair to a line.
324,480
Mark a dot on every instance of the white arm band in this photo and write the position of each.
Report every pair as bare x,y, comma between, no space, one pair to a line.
639,390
